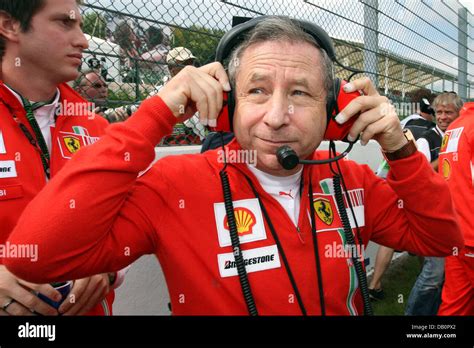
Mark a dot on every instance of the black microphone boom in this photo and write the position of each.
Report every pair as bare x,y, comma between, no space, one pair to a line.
288,158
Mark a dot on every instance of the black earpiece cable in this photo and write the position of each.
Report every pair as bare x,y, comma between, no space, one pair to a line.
234,237
280,248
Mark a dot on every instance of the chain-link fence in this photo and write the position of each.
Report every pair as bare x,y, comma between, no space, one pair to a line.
403,45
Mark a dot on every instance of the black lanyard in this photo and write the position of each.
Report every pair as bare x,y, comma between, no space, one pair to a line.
39,141
283,255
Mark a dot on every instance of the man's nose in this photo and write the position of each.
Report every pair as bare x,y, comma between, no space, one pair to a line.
80,40
278,113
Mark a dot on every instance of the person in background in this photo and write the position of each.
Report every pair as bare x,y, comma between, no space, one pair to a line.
425,296
177,59
191,131
456,165
423,119
130,45
155,56
43,125
91,85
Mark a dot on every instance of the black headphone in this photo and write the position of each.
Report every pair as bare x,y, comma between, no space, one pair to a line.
237,35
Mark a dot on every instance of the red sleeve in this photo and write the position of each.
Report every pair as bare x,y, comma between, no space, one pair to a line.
413,209
108,228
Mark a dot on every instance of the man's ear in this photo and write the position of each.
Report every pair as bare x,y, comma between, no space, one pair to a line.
9,27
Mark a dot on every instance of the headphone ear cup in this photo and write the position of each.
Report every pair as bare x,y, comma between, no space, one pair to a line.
334,130
331,106
226,115
231,106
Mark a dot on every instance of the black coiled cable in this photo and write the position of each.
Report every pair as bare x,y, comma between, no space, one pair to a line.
361,276
234,237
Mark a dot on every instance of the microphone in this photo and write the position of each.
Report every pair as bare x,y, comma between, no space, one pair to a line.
288,158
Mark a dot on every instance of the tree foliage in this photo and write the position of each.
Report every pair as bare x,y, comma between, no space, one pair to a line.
201,41
95,25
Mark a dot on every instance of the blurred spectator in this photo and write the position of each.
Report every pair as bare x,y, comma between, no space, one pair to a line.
92,86
154,59
192,132
129,44
457,167
177,59
421,121
425,297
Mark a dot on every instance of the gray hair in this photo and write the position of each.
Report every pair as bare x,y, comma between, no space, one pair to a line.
279,29
448,98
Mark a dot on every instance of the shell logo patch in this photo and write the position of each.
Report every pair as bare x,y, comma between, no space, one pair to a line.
446,169
248,218
323,209
244,219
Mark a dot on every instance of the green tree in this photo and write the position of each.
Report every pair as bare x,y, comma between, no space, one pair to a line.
95,25
201,41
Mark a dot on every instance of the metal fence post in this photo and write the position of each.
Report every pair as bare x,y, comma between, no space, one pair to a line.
371,38
462,52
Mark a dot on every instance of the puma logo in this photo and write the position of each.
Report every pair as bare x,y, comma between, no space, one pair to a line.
281,193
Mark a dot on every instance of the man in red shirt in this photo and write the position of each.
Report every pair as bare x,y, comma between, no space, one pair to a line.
42,125
456,164
293,245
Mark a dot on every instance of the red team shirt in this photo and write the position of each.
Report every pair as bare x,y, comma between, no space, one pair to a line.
21,171
175,210
456,165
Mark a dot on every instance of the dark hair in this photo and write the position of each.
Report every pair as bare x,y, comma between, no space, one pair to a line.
22,11
155,36
122,34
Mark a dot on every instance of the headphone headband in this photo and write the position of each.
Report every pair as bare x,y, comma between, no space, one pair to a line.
236,35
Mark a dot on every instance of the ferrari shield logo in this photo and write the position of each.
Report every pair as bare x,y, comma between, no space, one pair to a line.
322,207
72,144
444,143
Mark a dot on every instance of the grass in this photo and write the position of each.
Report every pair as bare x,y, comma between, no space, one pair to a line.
397,283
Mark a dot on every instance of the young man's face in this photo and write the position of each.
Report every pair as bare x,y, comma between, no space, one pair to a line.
52,47
281,100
